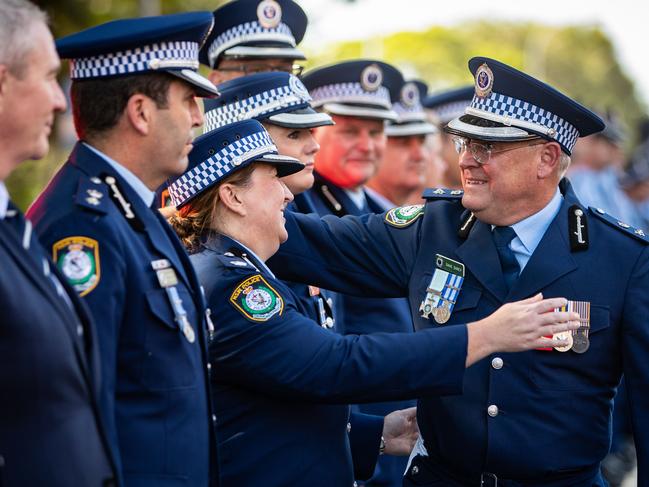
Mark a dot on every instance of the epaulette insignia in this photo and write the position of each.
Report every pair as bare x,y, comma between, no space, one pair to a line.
403,216
256,299
78,260
637,233
442,194
228,259
92,194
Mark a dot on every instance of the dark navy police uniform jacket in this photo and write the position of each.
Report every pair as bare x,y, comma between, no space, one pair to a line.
50,427
361,315
551,420
283,381
155,387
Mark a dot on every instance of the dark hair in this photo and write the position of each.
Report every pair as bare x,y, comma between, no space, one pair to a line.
193,219
98,104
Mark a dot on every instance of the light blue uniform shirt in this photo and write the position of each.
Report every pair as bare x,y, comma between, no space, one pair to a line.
133,181
530,231
4,200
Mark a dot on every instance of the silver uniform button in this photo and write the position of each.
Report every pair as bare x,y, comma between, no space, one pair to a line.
214,418
349,427
492,410
414,470
80,330
209,367
497,363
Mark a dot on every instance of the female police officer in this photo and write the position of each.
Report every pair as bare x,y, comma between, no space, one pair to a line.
277,375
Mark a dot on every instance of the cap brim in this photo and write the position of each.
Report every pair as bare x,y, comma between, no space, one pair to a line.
304,118
264,52
403,130
479,128
360,111
204,87
285,165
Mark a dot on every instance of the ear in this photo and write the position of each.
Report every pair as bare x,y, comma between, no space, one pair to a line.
139,113
230,196
549,157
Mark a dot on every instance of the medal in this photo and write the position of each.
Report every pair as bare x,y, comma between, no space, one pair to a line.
443,290
564,335
168,280
578,339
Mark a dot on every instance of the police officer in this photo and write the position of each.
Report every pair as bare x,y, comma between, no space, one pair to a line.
279,370
537,418
443,107
51,432
402,169
253,36
134,84
282,104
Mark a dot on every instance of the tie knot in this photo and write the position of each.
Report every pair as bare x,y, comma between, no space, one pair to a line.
503,236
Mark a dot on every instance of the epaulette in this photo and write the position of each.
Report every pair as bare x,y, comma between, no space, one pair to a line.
92,194
228,259
442,194
637,233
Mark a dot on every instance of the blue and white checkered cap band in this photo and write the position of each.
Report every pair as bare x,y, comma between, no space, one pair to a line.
405,113
219,165
249,32
350,93
165,55
248,108
518,113
449,111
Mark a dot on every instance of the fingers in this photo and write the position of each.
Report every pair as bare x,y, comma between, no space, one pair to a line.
410,413
544,342
550,304
534,299
553,328
558,317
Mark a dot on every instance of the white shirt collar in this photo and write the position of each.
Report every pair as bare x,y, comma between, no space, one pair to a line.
133,181
4,200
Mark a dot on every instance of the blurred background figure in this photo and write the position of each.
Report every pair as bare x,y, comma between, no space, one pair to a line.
635,179
253,36
402,171
596,169
443,107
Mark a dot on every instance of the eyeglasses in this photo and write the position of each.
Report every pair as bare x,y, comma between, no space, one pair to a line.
295,69
482,152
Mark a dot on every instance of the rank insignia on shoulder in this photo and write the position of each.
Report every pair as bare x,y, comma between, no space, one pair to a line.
403,216
442,194
636,233
256,299
91,195
78,259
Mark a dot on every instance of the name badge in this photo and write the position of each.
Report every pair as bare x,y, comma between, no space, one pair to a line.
443,290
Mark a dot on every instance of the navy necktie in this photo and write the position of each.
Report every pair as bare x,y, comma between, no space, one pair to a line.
502,238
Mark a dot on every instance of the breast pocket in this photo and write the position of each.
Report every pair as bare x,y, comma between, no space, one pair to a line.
571,371
169,362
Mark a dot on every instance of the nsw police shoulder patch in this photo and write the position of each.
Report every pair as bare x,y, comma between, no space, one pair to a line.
256,299
402,216
78,259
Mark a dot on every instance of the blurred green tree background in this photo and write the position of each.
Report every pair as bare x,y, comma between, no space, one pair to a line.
579,60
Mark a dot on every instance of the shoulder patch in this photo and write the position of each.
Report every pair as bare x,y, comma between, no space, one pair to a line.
402,216
636,233
442,194
256,299
78,260
92,194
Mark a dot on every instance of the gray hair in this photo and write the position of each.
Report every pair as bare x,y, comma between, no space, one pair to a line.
564,164
16,18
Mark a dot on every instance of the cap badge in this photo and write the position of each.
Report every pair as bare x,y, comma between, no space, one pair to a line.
298,88
371,77
484,81
269,13
409,95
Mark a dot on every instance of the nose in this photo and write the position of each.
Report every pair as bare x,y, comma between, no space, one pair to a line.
416,149
197,115
60,103
466,160
288,196
312,147
365,142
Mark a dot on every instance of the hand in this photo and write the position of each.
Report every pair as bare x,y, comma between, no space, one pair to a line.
400,432
520,326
